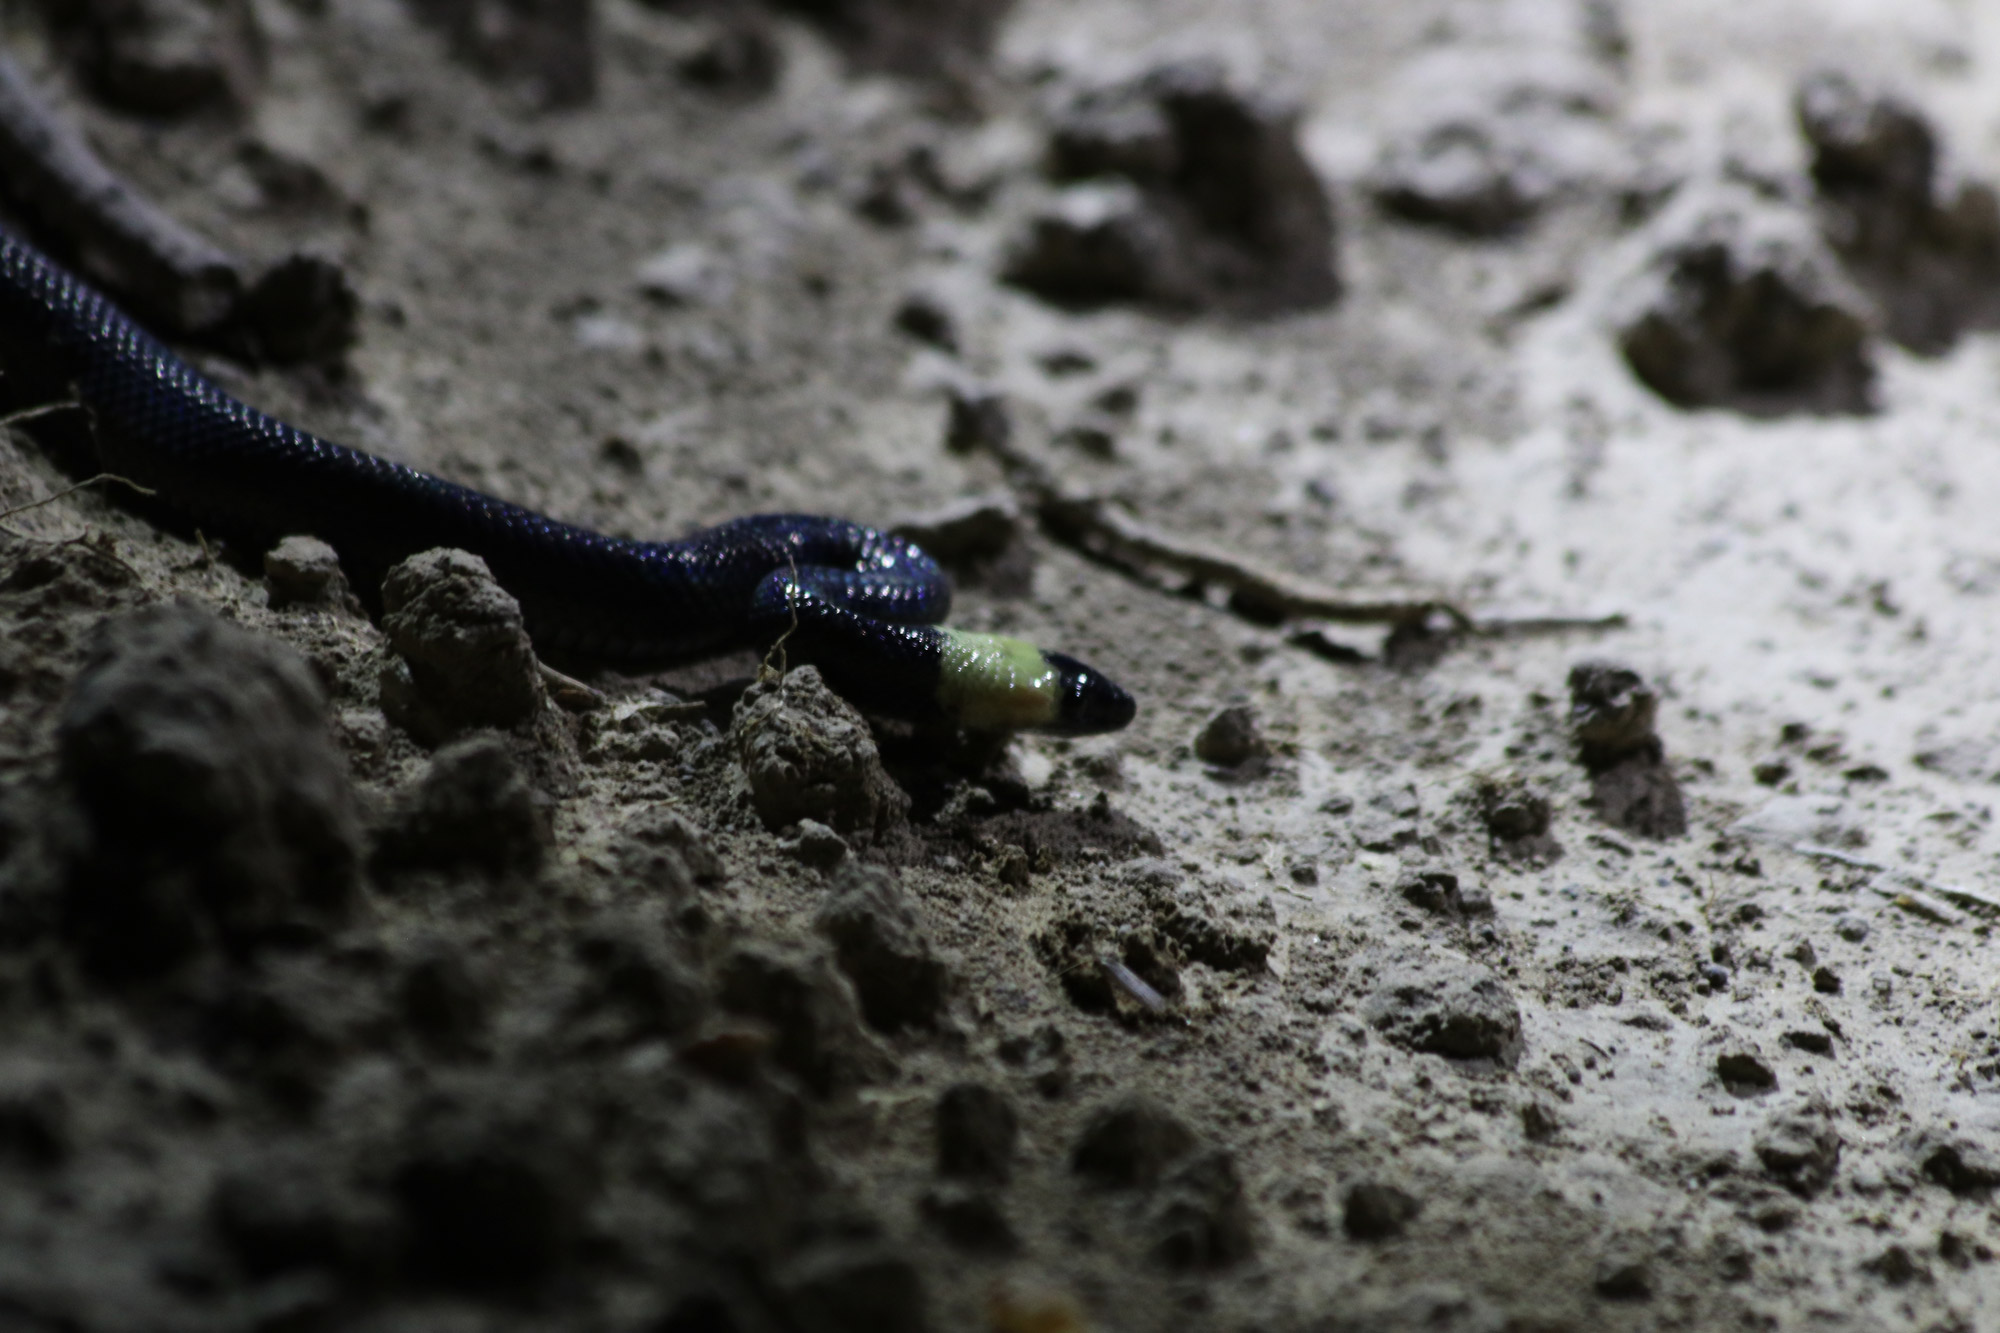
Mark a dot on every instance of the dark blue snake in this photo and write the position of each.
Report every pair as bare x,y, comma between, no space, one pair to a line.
860,604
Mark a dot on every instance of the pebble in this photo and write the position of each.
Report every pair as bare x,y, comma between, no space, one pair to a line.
881,943
979,421
463,659
1232,738
926,318
1744,1072
814,844
301,310
200,760
305,571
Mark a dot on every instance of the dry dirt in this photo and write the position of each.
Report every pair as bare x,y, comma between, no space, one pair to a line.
1463,1015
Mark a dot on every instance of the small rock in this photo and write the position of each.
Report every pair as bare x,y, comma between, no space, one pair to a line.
1460,1011
1539,1122
304,571
1612,709
846,1287
1623,1278
976,1129
1826,981
1094,245
1373,1210
1744,1072
1853,929
1965,1160
472,808
969,1217
1433,891
813,843
1511,809
1741,306
925,318
1800,1148
1895,1266
881,943
1130,1143
298,311
1202,1221
807,754
463,656
1231,738
215,803
980,421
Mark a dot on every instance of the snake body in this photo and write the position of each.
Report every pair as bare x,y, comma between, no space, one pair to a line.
861,604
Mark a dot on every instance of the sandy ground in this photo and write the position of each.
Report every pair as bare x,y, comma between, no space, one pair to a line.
1454,1035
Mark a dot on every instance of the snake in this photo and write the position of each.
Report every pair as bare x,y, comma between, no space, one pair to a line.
863,605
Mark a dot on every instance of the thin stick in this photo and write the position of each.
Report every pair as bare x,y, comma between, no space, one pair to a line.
1099,530
71,490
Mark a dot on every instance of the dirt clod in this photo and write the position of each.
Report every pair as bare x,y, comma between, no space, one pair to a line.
463,659
1130,1143
1375,1210
305,571
1195,194
1742,306
474,808
1231,738
1457,1010
807,754
214,805
880,941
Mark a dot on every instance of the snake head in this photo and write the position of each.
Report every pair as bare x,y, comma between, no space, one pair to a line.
1087,701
